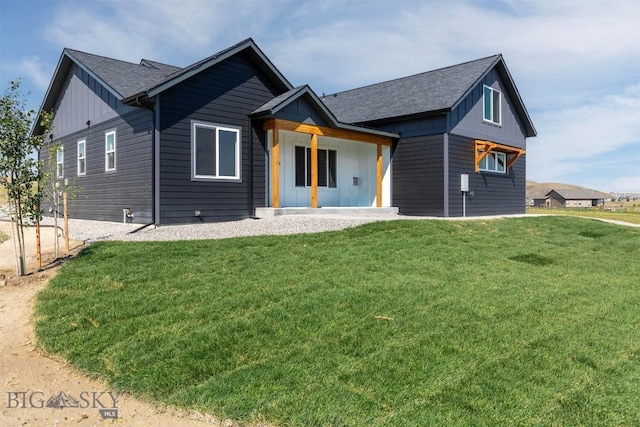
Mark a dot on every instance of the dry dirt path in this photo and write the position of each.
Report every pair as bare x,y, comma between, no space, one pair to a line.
29,378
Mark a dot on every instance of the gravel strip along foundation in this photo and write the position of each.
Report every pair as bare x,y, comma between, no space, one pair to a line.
280,225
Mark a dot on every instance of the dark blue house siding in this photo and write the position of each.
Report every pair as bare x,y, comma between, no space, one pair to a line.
494,193
418,175
102,195
301,111
467,118
224,94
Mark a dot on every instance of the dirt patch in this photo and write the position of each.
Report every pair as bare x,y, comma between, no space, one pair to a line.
30,380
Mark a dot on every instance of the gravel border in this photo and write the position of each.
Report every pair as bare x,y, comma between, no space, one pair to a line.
91,231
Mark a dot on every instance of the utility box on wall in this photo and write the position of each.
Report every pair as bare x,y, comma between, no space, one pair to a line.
464,182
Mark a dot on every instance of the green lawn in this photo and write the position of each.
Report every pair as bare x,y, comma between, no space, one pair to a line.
520,321
627,216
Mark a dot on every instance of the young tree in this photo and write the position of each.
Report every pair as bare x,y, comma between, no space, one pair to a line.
20,171
54,187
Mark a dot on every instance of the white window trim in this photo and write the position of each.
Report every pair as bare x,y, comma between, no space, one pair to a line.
491,120
84,142
106,152
483,163
60,163
218,127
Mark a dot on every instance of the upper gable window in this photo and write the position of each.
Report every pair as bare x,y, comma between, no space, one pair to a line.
110,151
215,152
491,102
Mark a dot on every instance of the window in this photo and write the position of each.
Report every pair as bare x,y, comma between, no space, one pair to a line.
215,152
60,163
82,158
110,151
495,161
327,169
491,101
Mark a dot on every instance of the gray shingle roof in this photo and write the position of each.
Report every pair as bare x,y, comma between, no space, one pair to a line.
279,102
123,77
581,194
426,92
159,65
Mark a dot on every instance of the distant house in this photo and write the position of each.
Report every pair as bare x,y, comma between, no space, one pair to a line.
575,198
228,135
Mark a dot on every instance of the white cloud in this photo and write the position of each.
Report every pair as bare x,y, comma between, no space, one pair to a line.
155,29
33,69
573,137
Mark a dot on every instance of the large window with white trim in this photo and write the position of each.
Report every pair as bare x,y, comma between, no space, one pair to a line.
494,161
491,102
82,157
60,163
110,151
215,152
327,167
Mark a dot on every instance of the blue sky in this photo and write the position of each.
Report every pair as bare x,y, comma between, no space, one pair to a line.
576,63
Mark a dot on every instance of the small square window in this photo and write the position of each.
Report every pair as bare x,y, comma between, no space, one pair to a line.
494,161
491,105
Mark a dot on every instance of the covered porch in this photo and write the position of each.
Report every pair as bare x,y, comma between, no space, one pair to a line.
318,166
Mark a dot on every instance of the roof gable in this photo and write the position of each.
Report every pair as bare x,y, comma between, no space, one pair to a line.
436,91
278,103
179,76
128,81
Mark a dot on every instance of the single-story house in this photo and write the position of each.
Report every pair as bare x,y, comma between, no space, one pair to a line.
579,198
229,135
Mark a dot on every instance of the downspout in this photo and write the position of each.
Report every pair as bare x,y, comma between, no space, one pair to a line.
156,162
446,173
251,203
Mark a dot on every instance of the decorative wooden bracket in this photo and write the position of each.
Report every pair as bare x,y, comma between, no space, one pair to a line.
483,148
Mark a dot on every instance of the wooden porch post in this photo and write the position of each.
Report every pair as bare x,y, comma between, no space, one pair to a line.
314,170
275,168
379,177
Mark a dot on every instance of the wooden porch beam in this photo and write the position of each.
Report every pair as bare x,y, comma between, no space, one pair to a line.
325,131
314,171
379,177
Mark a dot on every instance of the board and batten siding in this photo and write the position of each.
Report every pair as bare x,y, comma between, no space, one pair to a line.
102,195
418,171
224,94
82,98
301,111
494,193
467,118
